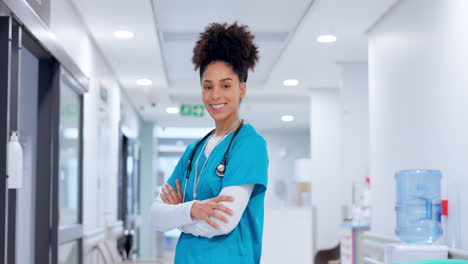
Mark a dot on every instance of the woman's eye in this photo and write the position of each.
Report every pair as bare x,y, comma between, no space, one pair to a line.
206,87
226,86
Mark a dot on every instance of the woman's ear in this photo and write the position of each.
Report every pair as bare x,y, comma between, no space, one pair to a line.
243,90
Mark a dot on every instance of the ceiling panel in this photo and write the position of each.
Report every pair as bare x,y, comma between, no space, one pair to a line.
179,30
260,15
286,34
178,57
133,58
315,64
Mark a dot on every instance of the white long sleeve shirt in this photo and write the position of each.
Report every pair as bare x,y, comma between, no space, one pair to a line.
165,217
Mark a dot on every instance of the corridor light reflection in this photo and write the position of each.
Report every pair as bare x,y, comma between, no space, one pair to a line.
287,118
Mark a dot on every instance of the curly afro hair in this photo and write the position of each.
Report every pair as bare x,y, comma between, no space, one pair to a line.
232,44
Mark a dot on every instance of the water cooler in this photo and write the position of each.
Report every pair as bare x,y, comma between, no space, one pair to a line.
418,212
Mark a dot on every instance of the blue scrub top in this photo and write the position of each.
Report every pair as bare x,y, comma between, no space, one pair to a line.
247,164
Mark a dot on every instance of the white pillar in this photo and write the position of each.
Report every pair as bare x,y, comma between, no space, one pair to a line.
325,130
355,126
147,183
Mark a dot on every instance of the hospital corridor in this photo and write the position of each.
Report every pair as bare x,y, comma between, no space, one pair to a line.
233,131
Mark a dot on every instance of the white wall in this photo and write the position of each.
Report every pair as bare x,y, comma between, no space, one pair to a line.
418,79
283,223
147,185
101,120
340,149
67,27
129,118
327,181
283,149
287,236
355,125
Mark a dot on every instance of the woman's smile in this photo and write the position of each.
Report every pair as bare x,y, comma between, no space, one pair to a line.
217,107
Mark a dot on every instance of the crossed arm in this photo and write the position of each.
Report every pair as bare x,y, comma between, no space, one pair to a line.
207,218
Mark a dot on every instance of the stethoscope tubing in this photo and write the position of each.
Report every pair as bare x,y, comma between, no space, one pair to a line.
223,163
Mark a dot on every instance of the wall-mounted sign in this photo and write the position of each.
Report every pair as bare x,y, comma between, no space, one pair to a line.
192,110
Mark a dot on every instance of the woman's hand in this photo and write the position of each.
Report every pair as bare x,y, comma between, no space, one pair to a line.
205,209
170,196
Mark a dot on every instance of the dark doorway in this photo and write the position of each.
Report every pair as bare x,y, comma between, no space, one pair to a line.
129,186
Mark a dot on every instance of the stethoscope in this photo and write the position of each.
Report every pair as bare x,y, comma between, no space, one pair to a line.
220,168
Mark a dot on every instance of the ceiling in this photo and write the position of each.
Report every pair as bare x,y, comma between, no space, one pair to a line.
286,31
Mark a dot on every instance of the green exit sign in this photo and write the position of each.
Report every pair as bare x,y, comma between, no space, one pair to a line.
192,110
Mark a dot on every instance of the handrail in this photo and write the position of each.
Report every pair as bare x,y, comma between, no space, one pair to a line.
377,242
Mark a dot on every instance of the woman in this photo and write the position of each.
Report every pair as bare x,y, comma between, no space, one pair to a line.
215,195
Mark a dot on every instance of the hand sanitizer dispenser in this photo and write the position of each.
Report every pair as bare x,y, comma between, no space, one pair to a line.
14,163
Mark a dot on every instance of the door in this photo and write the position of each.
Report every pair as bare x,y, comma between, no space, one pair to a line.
41,221
70,222
129,186
5,68
27,112
10,46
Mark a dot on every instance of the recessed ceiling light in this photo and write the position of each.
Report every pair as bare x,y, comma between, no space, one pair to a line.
326,38
172,110
291,82
144,82
123,34
287,118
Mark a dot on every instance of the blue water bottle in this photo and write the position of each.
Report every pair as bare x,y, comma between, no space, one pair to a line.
418,206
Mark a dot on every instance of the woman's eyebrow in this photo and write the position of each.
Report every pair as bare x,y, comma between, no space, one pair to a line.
222,80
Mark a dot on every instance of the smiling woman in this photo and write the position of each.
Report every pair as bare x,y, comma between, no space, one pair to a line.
216,193
222,92
224,55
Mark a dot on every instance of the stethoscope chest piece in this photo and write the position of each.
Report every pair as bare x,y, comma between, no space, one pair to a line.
220,169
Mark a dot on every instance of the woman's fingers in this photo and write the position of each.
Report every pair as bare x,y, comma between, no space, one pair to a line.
163,198
208,210
211,222
171,191
223,209
211,211
167,195
220,216
179,189
171,194
223,198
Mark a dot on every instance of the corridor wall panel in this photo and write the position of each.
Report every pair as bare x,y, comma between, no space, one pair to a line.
418,79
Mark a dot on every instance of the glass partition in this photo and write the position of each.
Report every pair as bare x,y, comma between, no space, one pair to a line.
69,159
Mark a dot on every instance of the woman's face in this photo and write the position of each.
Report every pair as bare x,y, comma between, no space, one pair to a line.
222,91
